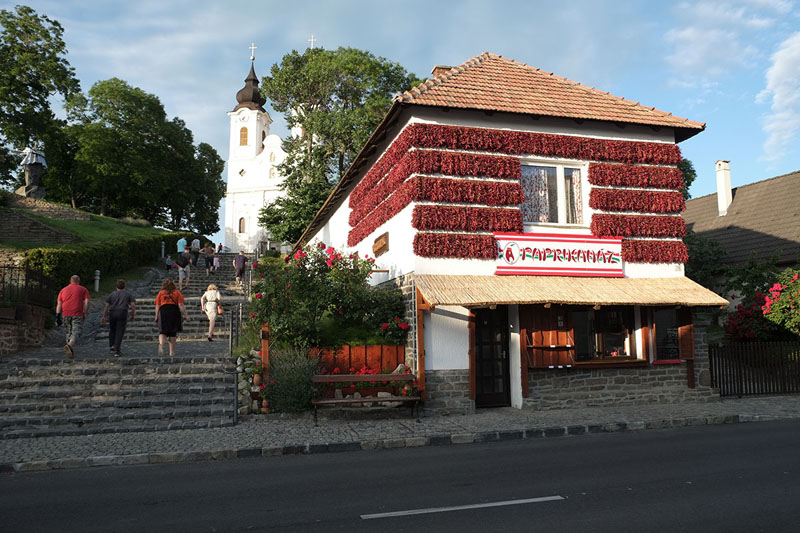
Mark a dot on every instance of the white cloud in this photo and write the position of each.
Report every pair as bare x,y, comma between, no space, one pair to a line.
718,38
783,89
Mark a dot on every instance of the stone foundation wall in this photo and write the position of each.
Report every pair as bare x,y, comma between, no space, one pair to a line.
406,285
557,389
447,393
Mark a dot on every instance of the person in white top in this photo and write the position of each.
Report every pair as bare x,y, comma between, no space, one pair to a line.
210,302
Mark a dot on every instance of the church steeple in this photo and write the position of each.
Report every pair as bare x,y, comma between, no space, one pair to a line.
249,97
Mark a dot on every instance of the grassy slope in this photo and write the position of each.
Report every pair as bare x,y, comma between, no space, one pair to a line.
95,230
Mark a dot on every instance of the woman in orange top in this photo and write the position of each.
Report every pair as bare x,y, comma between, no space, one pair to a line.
169,306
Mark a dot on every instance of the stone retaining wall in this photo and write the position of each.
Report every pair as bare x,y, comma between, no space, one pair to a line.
557,389
17,226
10,257
46,209
447,393
17,334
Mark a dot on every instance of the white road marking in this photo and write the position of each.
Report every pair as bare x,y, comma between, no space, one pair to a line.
460,507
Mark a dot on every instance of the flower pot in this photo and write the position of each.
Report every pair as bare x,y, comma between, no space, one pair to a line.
256,379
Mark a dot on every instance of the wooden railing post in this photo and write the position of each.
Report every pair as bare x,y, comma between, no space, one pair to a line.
265,347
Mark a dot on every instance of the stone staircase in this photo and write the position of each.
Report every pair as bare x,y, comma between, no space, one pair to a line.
54,396
44,394
143,327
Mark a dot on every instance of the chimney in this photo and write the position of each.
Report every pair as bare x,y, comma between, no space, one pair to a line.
724,195
439,70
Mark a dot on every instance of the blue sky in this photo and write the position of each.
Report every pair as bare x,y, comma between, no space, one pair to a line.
734,64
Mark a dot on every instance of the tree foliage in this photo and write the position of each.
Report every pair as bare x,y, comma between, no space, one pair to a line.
122,156
705,259
689,175
33,68
336,98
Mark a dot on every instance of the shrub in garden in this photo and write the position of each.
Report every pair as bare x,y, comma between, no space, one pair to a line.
289,388
319,283
782,304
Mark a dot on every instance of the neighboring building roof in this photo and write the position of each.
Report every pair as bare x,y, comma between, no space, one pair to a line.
248,96
485,290
763,218
493,83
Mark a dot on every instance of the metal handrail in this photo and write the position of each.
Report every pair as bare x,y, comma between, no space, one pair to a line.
234,326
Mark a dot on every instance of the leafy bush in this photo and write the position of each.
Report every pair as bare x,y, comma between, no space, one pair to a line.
249,339
109,257
782,304
289,389
317,284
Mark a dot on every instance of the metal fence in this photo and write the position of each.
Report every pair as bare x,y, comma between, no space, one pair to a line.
756,368
19,285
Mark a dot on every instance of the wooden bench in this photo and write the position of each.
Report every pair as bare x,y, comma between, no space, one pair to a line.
377,379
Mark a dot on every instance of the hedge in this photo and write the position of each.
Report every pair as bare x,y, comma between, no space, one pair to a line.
109,257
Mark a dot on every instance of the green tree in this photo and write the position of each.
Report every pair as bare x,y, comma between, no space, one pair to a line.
689,175
337,98
705,259
123,157
33,68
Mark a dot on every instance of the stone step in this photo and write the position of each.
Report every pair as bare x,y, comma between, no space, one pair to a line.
110,383
67,406
69,393
121,426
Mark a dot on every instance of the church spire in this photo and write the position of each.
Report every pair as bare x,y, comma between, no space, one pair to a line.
249,97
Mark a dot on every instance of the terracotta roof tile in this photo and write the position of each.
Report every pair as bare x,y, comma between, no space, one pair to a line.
494,83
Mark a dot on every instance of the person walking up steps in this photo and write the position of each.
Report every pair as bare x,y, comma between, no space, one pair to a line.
116,313
181,244
169,306
208,253
195,251
239,264
183,263
73,305
210,302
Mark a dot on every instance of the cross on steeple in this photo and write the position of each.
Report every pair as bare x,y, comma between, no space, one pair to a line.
312,41
253,51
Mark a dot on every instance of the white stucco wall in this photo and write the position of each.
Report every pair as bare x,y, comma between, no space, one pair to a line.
447,338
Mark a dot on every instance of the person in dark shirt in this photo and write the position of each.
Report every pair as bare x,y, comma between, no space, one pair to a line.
116,313
240,264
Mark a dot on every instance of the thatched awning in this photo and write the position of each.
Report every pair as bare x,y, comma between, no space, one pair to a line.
478,291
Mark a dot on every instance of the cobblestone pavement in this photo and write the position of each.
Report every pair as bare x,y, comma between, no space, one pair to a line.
258,435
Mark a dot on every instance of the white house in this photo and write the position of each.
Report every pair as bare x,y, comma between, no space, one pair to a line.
253,179
534,225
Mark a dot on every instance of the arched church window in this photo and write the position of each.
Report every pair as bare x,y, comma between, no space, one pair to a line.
241,225
272,172
272,157
243,137
263,136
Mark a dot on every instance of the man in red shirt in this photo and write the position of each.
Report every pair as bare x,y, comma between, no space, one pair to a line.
73,304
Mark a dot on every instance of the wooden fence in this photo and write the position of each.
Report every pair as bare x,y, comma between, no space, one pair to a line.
375,357
756,368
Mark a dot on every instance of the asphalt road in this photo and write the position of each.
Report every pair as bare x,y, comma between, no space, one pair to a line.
743,477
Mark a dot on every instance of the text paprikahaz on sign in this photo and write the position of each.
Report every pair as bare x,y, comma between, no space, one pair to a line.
556,252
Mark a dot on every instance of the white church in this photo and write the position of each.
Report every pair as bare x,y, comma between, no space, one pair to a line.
253,179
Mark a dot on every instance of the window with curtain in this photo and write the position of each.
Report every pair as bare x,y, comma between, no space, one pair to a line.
552,194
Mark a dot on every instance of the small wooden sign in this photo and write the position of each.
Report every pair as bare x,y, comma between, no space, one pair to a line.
381,245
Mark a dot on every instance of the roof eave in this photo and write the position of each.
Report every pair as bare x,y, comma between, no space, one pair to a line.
323,214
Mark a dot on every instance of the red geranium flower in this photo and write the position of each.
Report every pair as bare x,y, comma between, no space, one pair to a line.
384,326
258,295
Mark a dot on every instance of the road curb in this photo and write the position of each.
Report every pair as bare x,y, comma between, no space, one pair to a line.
379,444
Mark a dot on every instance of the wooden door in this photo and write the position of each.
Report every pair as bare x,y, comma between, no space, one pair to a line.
492,382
